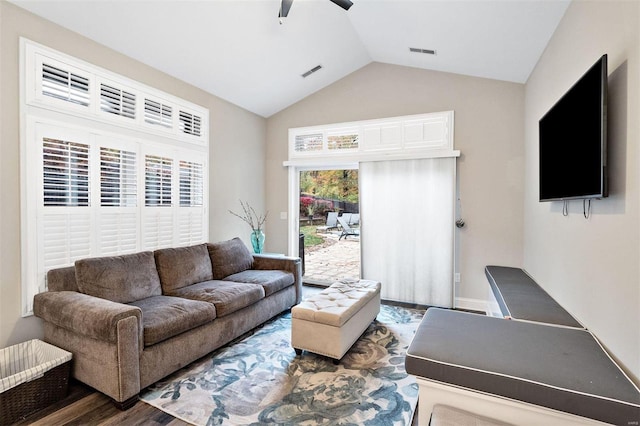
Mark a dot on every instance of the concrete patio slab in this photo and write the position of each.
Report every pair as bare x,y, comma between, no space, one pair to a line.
333,260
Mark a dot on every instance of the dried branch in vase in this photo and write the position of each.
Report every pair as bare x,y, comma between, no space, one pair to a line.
250,217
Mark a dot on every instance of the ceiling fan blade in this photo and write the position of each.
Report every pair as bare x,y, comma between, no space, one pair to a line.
285,5
345,4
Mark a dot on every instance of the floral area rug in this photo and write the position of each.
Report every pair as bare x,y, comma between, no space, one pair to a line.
258,379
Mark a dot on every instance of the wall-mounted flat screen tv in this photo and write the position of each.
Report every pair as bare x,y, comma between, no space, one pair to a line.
573,140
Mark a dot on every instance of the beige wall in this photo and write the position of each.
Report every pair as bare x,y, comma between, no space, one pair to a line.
488,132
237,137
591,266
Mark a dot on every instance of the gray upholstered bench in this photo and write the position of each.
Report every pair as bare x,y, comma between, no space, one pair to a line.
520,372
515,295
443,415
329,323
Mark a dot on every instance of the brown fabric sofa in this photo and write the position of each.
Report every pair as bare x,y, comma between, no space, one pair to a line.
131,320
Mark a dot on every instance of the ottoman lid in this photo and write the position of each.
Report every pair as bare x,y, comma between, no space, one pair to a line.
337,303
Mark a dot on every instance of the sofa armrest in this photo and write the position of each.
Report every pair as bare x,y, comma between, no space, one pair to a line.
85,315
105,338
282,263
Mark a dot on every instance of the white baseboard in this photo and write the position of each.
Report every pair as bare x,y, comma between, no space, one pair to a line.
479,305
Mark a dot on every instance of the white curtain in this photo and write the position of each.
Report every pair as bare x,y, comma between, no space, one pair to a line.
407,221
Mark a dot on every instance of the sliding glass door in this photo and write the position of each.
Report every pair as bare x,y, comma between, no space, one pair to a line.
407,225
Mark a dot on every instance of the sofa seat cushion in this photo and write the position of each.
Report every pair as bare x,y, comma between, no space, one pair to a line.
272,280
183,266
227,296
121,279
229,257
164,316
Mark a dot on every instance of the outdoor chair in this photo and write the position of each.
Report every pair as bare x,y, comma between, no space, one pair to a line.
346,229
347,217
355,219
332,222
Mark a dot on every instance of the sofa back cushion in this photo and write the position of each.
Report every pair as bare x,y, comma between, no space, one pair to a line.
122,279
229,257
183,266
62,279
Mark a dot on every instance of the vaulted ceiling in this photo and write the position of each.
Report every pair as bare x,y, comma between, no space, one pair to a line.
240,51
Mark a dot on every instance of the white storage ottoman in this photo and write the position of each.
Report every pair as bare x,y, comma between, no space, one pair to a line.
330,322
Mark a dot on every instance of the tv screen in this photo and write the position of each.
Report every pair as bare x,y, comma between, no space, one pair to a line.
573,140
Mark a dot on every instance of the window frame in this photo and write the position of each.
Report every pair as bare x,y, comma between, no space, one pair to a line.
44,116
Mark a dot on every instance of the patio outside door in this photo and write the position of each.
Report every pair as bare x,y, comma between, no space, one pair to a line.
329,220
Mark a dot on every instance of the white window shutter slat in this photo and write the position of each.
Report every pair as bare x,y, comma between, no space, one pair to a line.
118,232
66,236
65,173
158,171
191,226
117,101
64,85
118,176
308,143
157,229
342,141
190,124
158,114
191,184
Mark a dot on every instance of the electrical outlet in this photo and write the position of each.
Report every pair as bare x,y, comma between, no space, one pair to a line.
457,277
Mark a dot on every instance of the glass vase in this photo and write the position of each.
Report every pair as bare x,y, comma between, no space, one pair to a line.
257,241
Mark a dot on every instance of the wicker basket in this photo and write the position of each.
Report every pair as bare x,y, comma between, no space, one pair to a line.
33,375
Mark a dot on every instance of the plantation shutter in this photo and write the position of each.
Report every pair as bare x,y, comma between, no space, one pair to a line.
157,187
157,228
118,186
118,232
66,236
190,124
308,143
191,184
118,200
65,173
157,223
191,213
191,227
118,102
342,141
158,114
64,85
110,166
64,219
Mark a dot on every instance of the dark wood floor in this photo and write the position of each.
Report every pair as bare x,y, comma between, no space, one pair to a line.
85,406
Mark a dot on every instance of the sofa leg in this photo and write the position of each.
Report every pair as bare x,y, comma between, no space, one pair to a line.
298,351
126,404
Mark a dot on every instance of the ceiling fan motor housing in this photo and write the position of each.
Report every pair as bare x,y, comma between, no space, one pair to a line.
285,6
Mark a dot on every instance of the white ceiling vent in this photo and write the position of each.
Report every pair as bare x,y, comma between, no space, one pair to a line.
311,71
418,50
